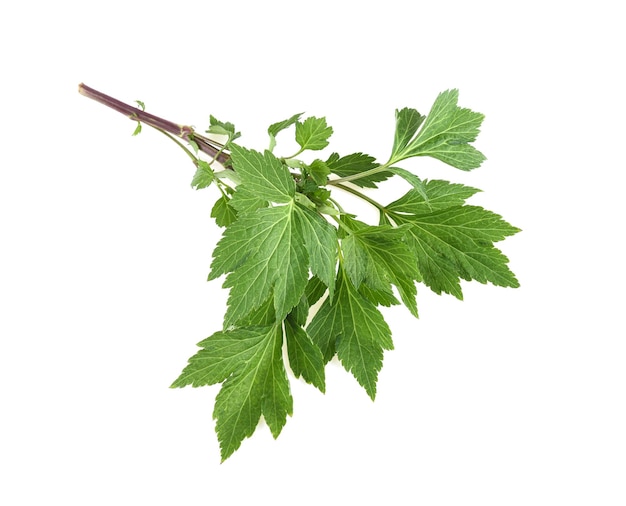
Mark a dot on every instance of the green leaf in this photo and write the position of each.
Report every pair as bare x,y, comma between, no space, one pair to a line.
305,359
353,327
412,179
378,257
263,174
319,171
407,122
354,164
457,243
137,129
194,145
223,212
141,104
262,251
275,128
313,133
246,200
315,290
223,128
204,175
445,134
220,356
440,195
320,240
380,297
249,361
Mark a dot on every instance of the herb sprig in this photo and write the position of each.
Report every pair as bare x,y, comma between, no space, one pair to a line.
289,247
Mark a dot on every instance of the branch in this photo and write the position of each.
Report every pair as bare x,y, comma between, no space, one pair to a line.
208,146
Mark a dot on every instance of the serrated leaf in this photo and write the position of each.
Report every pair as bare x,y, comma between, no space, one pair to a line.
379,257
246,200
220,356
320,239
407,122
354,164
457,243
353,327
223,128
300,313
249,361
305,359
204,175
445,134
319,171
263,174
380,297
412,179
223,212
271,244
315,290
440,195
275,128
313,133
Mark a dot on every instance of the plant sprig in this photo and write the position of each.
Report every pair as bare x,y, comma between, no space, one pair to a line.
289,247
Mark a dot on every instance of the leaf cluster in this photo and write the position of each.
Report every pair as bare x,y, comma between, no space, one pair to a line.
307,276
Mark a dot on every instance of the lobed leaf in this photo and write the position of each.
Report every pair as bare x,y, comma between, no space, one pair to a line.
357,163
313,133
445,134
352,327
439,195
275,128
305,358
379,257
204,175
223,212
277,260
457,243
263,174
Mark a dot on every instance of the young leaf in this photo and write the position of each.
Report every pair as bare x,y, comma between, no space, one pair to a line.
223,212
354,164
319,171
445,134
204,175
223,128
313,133
275,128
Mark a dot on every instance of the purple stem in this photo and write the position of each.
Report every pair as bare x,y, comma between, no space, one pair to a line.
208,146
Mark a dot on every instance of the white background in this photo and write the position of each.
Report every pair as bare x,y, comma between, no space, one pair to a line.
511,397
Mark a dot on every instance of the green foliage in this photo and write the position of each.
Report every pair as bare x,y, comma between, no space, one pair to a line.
204,175
445,133
313,133
307,277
